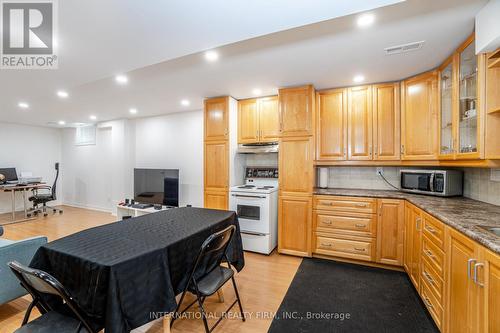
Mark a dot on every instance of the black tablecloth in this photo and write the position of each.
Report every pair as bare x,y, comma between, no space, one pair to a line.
123,272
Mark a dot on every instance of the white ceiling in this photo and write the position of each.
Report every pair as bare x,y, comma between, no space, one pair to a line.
267,45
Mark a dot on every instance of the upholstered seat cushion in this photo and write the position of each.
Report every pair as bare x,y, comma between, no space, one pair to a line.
5,242
52,322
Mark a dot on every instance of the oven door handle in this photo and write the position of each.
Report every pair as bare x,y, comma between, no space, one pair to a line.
252,233
248,196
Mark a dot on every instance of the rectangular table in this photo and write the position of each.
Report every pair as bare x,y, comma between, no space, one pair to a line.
123,272
20,188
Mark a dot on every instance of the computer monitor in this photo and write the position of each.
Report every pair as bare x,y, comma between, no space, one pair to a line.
157,186
9,173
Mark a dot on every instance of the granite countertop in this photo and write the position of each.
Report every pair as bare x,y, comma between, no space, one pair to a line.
460,213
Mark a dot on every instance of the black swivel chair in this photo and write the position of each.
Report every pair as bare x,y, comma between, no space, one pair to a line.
208,276
67,317
42,198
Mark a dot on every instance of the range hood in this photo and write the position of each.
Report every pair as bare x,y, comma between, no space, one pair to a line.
258,148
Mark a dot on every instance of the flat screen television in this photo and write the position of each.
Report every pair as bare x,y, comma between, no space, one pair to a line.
157,186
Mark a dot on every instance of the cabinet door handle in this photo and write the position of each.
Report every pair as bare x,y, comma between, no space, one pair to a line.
358,249
479,264
417,223
327,222
469,263
428,302
360,225
429,253
360,205
326,245
429,278
430,229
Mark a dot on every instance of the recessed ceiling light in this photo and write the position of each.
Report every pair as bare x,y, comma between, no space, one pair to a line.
358,78
92,117
61,122
132,110
211,55
185,102
62,94
257,92
366,20
121,79
23,105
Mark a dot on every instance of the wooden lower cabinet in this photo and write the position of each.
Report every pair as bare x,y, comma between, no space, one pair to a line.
490,305
390,232
462,302
294,225
216,200
413,241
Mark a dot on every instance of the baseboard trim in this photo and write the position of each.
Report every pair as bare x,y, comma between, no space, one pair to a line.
96,208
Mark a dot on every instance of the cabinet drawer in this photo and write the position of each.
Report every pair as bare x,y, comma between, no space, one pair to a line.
345,248
434,255
433,281
346,204
433,306
350,224
434,230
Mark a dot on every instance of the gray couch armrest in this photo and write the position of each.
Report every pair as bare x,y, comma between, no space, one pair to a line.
21,251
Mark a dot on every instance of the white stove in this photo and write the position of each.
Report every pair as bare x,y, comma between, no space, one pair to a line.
256,203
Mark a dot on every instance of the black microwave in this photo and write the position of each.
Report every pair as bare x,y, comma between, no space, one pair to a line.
445,183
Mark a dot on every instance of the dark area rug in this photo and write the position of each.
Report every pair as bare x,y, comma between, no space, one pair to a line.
329,296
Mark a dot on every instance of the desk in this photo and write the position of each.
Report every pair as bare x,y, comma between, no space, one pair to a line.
19,188
125,272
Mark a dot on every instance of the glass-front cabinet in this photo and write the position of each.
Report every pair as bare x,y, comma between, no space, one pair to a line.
468,101
460,112
446,80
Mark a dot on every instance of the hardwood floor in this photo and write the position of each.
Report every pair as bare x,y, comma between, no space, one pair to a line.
262,283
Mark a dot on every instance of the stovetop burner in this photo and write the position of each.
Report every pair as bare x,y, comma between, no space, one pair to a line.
246,186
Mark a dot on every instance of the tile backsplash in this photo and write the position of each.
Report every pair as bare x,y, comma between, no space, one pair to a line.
362,177
477,182
479,186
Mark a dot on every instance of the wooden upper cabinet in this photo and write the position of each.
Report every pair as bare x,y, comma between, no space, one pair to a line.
359,123
386,122
296,107
390,231
269,120
331,125
216,165
248,121
419,117
296,165
258,120
216,118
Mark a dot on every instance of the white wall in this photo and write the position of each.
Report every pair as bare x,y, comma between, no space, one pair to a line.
29,148
174,141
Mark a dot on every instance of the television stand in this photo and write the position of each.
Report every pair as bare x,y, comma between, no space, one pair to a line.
122,211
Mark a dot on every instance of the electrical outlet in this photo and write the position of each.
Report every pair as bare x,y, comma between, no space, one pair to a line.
380,171
495,175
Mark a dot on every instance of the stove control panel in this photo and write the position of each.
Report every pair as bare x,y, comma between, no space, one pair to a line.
261,173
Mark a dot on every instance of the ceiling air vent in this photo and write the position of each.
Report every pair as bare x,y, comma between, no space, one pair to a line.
404,48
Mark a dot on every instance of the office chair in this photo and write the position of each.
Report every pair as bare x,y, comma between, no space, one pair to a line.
43,198
65,316
208,276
